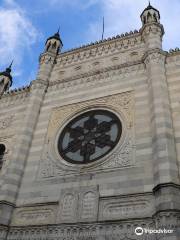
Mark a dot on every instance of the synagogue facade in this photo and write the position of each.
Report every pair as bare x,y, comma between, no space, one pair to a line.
91,149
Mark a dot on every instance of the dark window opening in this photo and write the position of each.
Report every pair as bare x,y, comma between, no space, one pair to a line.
2,152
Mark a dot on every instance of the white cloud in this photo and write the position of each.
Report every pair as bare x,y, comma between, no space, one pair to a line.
81,4
124,15
17,34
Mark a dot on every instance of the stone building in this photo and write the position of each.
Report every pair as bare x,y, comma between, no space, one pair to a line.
91,149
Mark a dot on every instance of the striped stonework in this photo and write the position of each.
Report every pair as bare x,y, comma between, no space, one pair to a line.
42,196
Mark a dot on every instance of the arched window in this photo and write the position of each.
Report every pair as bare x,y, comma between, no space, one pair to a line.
2,151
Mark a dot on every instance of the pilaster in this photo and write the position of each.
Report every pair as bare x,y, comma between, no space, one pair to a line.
164,154
166,178
13,177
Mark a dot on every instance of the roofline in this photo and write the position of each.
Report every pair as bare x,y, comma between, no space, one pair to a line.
122,36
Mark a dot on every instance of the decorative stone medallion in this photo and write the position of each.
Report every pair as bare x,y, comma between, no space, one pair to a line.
122,153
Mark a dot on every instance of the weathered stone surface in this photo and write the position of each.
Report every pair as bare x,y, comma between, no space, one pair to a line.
45,197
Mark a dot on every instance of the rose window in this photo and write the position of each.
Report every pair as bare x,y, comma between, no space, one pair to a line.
89,136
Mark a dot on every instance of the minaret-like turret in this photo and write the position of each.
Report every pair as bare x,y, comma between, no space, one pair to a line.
152,30
150,15
5,80
47,59
165,168
54,43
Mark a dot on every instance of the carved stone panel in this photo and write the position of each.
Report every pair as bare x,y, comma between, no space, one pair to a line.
117,208
88,204
34,215
68,205
78,205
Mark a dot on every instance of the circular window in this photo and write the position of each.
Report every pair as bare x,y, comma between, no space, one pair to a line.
89,136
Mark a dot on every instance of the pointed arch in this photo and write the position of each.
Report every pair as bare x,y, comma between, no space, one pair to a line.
155,17
2,152
54,45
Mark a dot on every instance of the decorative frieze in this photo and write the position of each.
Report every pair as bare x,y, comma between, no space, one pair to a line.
14,98
103,75
3,232
96,231
168,220
103,49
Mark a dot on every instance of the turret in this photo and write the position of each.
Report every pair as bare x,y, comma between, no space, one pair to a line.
150,15
152,30
5,80
54,44
47,59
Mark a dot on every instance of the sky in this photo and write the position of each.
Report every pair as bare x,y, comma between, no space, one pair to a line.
26,24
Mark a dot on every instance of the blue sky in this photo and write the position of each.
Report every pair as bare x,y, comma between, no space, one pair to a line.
26,24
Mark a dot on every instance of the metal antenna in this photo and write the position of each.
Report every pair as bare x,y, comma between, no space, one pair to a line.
103,30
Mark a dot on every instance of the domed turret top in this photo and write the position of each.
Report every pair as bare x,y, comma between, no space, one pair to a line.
55,36
54,44
150,15
7,72
5,80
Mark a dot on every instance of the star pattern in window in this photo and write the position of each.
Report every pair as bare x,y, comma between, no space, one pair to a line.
92,138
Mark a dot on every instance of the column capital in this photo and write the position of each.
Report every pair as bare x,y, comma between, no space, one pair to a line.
154,56
39,84
47,58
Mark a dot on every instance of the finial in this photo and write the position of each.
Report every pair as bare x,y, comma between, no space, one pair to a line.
11,64
58,29
149,3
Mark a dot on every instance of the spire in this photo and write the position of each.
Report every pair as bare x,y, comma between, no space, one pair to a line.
7,72
8,69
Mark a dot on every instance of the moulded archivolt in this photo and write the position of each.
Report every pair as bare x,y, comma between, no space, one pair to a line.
122,104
